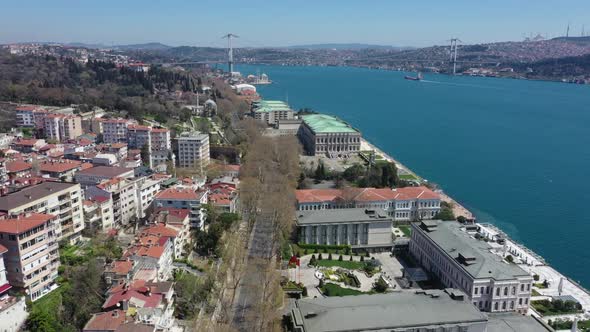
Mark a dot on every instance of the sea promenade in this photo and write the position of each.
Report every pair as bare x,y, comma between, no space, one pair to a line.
558,284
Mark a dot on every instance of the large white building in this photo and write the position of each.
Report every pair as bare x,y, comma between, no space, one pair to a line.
271,111
61,127
459,260
123,192
193,150
61,199
359,228
403,204
160,146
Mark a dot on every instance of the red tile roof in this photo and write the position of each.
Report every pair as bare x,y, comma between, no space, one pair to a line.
138,127
179,194
60,166
106,321
415,193
26,142
17,166
120,267
364,194
160,130
160,230
23,223
3,249
118,145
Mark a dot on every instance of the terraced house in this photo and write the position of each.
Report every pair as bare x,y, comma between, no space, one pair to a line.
323,134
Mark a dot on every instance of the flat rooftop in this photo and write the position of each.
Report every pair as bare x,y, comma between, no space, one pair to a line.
106,171
474,255
32,193
341,216
385,312
323,123
509,322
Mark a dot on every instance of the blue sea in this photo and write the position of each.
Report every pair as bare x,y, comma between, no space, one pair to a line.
514,152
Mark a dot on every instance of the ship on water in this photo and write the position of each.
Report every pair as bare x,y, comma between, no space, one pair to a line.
259,79
414,78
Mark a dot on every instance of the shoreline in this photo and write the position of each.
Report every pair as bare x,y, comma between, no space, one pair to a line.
458,209
533,262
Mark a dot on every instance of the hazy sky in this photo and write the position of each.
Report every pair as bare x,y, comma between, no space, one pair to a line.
285,22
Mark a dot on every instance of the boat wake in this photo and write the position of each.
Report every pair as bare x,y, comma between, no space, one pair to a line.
462,84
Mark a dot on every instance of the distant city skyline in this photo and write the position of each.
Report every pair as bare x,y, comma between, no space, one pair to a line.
287,23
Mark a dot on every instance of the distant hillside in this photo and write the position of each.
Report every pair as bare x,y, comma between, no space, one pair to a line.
145,46
351,46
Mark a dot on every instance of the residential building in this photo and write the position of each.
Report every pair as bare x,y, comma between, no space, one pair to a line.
18,169
64,200
61,127
123,193
32,259
193,150
28,145
271,111
24,116
174,233
139,136
115,130
105,159
184,198
406,311
120,150
63,169
153,251
6,140
368,229
13,310
98,213
161,147
119,271
177,219
459,260
326,135
403,204
147,188
95,175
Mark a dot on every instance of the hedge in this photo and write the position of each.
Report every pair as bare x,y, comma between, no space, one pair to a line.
322,246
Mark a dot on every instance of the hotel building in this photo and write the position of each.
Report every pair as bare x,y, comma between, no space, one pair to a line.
326,135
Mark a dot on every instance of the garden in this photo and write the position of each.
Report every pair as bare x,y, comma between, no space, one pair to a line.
556,307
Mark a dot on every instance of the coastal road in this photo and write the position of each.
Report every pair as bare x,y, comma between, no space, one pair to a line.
260,251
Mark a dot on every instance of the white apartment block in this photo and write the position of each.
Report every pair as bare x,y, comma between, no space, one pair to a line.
160,146
139,136
147,188
459,260
123,192
25,116
61,199
115,130
403,204
193,150
98,213
184,198
60,127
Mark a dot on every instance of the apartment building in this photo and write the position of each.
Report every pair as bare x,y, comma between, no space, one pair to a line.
177,219
32,259
403,204
63,200
123,193
61,127
459,260
13,309
95,175
63,169
147,188
323,134
161,146
360,228
98,213
184,198
271,111
115,130
25,116
153,251
139,136
193,150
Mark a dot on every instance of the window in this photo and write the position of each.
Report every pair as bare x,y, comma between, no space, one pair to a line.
476,290
522,287
505,291
498,291
519,301
511,304
496,306
513,290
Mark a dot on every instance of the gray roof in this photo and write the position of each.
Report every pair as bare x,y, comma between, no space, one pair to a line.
475,256
511,322
106,171
341,216
31,194
384,312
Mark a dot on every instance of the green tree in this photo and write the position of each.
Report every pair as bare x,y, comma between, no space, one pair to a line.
380,286
145,155
40,320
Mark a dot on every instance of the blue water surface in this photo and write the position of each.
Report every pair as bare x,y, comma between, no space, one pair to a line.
515,152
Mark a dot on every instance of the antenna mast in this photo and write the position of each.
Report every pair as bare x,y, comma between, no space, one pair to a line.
230,52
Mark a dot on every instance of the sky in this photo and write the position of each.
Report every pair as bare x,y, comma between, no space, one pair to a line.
286,22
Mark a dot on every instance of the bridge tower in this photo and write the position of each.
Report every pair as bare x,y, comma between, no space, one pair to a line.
453,53
230,52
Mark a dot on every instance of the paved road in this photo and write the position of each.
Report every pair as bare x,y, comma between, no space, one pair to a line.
260,247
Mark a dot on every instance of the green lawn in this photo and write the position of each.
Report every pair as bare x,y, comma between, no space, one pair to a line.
548,308
330,289
406,230
408,177
535,293
344,264
539,285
